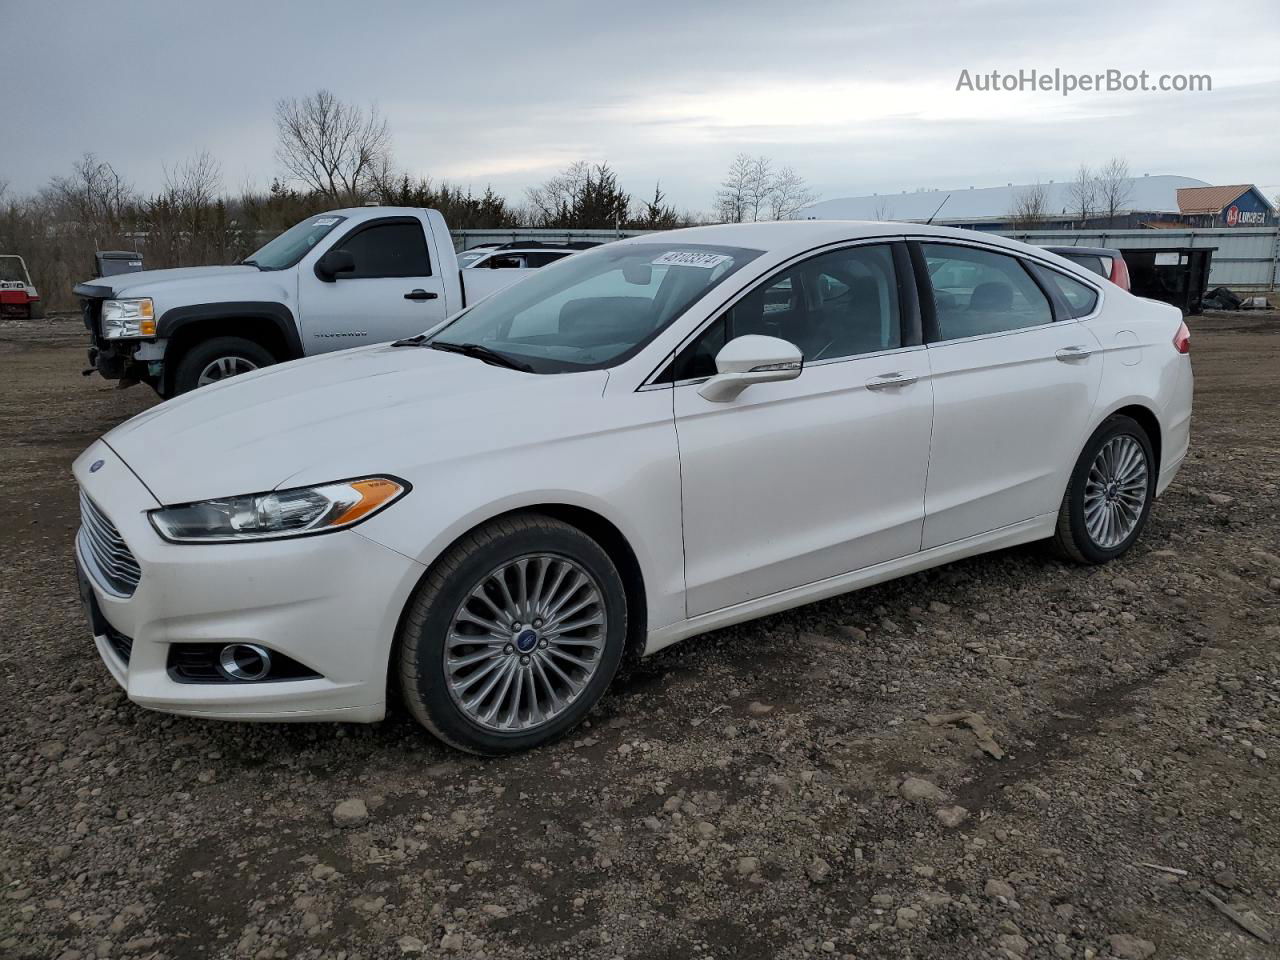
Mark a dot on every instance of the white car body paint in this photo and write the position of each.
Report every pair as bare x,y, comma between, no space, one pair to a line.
792,492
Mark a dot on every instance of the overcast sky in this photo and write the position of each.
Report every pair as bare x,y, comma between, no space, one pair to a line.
858,97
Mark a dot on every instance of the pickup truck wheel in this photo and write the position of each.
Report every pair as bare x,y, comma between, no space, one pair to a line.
213,360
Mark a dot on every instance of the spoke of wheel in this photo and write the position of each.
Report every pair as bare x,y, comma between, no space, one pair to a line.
553,612
462,686
493,651
540,671
503,678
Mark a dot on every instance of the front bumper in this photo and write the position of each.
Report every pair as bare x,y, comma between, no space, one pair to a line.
330,602
131,360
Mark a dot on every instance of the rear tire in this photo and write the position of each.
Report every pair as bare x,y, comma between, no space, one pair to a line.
1109,495
217,359
557,672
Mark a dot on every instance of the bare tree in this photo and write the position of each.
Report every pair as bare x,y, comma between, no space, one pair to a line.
194,183
93,195
733,196
333,148
188,222
788,195
1030,206
1115,187
751,189
759,187
553,198
1083,194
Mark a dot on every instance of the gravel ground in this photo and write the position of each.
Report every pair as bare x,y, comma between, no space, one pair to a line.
1005,757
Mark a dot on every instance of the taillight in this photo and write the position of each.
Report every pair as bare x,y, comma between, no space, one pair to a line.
1120,273
1182,339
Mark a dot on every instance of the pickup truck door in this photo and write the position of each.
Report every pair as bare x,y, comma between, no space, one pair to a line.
394,291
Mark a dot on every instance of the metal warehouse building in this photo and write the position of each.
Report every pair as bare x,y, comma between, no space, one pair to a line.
1151,202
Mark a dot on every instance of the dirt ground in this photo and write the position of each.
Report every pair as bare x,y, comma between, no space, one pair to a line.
1005,757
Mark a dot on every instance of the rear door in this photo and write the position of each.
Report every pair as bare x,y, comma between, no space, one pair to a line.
393,292
1013,389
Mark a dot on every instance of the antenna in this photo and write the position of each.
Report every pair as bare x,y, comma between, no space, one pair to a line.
940,206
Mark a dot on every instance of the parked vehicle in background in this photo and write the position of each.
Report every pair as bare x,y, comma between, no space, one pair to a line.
341,279
659,437
514,256
19,299
1103,261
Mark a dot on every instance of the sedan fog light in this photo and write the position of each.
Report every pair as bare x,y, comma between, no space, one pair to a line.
245,661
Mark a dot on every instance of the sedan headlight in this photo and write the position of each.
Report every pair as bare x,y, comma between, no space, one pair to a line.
280,513
124,319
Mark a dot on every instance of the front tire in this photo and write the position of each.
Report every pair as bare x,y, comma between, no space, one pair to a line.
216,359
1110,493
513,636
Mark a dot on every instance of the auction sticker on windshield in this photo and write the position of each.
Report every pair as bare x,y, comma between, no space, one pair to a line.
325,221
685,258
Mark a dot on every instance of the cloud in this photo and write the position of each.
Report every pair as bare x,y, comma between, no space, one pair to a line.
857,96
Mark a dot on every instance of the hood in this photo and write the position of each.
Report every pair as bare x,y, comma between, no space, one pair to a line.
146,281
371,410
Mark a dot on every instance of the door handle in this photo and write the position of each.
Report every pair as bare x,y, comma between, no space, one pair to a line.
421,295
1068,354
888,381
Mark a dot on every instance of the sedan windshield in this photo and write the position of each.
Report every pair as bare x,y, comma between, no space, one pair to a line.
292,245
597,308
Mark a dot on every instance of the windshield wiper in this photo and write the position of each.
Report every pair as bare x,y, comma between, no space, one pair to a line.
482,353
410,341
252,263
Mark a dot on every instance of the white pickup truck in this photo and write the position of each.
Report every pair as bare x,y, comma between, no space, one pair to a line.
336,280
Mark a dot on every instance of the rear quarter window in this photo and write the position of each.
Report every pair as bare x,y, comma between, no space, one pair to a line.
1080,298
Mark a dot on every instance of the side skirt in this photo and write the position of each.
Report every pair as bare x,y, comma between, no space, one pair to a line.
1025,531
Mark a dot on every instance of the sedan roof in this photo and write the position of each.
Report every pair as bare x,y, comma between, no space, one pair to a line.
780,235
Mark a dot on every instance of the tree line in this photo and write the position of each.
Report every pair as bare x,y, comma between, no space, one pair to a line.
330,153
1094,194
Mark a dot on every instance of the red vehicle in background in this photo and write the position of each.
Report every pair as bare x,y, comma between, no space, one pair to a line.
1103,261
18,297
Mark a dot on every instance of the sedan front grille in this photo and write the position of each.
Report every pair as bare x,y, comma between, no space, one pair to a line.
105,553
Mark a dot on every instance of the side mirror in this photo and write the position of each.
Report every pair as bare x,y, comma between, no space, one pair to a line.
333,263
751,359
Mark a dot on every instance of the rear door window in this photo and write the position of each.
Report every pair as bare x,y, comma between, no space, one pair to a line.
978,292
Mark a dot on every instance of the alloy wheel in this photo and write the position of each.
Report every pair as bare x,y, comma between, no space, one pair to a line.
1115,491
222,368
525,642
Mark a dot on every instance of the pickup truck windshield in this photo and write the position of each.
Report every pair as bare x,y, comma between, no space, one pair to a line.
595,309
292,245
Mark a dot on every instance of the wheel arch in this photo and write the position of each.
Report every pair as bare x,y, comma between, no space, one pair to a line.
595,525
270,325
1145,418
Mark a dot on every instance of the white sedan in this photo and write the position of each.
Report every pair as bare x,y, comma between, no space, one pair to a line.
644,442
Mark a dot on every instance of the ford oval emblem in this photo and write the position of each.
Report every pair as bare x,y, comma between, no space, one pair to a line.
96,466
